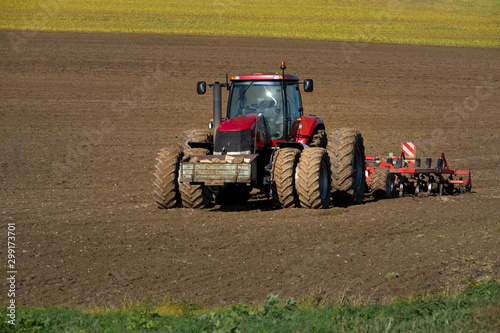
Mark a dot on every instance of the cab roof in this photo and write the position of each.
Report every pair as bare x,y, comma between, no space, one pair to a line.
264,77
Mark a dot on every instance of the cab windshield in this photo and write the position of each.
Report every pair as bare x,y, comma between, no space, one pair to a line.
254,97
259,97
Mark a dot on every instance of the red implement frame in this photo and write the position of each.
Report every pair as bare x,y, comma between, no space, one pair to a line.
408,176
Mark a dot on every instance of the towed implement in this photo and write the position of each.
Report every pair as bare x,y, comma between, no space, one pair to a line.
406,174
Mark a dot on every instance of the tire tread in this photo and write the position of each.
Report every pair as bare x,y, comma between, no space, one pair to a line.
165,185
307,178
341,147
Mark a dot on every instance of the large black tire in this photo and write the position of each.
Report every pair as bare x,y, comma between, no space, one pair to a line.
165,185
382,183
283,177
318,139
194,195
347,157
312,178
194,135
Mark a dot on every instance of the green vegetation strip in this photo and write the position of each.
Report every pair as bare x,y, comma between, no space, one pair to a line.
476,309
435,22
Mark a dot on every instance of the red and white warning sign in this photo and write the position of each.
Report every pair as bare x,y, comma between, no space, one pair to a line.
408,148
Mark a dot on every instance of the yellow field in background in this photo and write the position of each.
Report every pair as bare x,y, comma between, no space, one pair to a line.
434,22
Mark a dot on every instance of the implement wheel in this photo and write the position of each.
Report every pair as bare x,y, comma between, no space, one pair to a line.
312,178
450,187
194,135
165,187
347,157
283,177
382,183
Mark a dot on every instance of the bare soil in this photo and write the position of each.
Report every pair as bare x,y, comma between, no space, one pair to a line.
83,115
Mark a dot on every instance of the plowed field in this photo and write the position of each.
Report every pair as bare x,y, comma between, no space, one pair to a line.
83,115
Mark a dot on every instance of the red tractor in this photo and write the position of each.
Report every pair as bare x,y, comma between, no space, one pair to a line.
264,142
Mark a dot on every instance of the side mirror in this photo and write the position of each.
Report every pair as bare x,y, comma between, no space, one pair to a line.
201,87
308,85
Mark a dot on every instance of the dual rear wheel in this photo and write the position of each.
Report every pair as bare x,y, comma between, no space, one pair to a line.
320,176
301,179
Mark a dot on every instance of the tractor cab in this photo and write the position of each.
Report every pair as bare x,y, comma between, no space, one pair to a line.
263,110
264,95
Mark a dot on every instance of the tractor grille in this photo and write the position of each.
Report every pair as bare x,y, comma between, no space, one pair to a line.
234,141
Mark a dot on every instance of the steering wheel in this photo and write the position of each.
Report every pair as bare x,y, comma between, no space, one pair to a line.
247,110
267,104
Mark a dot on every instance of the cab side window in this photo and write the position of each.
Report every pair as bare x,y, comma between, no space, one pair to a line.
293,100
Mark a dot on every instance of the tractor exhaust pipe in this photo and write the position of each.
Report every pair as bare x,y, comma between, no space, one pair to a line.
201,88
217,106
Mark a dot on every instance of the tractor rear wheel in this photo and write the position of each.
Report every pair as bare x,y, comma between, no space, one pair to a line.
318,139
312,178
165,186
194,135
382,183
347,156
283,177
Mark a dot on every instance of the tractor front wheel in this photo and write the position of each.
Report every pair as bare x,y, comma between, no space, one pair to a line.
165,187
347,156
283,177
194,135
312,178
194,195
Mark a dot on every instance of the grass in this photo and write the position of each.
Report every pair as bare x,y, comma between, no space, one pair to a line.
477,309
434,22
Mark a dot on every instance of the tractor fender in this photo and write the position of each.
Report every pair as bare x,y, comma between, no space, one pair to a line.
310,124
